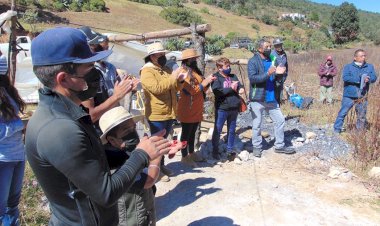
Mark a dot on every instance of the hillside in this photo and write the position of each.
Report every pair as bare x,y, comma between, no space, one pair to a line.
227,16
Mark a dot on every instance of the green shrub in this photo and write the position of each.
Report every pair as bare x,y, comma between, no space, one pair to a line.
181,16
196,1
213,49
267,19
174,44
205,10
97,5
232,35
255,27
376,39
74,7
58,6
209,2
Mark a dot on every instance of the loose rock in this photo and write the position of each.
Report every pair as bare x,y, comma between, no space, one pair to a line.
310,135
244,156
374,172
300,139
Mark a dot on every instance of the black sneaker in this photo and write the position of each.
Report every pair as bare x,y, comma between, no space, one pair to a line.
257,152
215,155
231,156
285,150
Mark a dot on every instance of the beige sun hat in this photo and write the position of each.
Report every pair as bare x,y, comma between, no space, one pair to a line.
189,53
153,48
115,117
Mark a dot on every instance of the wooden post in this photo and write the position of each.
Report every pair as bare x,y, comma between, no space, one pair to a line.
202,28
199,40
13,47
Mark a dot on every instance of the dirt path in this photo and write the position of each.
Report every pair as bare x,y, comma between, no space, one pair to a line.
273,190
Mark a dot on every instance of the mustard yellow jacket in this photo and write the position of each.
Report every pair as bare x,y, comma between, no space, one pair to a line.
160,91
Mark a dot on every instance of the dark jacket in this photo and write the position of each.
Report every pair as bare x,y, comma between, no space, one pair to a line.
136,207
326,74
225,97
257,78
69,162
352,78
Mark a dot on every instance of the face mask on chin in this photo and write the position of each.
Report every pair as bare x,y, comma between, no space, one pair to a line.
92,79
130,141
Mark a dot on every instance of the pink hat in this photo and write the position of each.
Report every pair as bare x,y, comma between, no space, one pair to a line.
329,58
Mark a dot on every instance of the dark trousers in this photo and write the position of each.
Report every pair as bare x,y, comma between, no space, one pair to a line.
197,143
188,134
278,91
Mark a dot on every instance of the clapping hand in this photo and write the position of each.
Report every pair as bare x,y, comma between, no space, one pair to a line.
235,85
280,70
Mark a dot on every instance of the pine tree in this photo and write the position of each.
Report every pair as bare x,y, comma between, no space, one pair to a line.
345,23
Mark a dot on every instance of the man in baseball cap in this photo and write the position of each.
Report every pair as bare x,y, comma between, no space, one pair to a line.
62,146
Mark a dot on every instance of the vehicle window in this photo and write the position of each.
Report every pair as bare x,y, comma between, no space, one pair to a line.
22,40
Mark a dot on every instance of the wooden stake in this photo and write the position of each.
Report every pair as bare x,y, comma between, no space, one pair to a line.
13,47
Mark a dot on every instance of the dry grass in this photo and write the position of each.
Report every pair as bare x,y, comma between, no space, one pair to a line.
132,17
32,211
223,22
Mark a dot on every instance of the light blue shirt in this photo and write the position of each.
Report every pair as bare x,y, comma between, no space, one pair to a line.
11,144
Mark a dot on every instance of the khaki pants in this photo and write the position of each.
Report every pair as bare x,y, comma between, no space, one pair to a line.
326,94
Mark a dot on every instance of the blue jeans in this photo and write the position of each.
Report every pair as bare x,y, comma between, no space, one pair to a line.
157,126
220,118
11,175
347,104
275,114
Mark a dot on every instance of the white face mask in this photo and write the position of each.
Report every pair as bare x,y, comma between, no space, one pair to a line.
359,64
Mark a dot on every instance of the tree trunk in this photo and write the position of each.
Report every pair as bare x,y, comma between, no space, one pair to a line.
13,48
160,34
199,45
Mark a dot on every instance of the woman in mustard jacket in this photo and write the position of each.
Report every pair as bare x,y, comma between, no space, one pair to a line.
160,92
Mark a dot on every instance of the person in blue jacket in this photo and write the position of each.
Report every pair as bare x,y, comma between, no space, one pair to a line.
357,77
262,75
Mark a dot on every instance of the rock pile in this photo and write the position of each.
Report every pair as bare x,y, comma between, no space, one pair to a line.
318,140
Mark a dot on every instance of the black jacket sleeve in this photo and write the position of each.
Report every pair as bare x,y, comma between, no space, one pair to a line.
81,160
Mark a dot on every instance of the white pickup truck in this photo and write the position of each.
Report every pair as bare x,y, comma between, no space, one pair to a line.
23,45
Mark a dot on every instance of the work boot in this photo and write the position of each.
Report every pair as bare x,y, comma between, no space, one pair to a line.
165,170
163,178
285,150
196,157
187,160
231,156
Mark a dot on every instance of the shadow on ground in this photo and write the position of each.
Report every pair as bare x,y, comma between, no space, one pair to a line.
220,221
185,193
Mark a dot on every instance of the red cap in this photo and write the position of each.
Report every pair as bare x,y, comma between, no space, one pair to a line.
329,58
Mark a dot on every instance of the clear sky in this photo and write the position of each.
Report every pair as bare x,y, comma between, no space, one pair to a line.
368,5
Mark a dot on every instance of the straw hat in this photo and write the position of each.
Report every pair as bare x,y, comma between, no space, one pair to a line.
153,48
115,117
189,53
